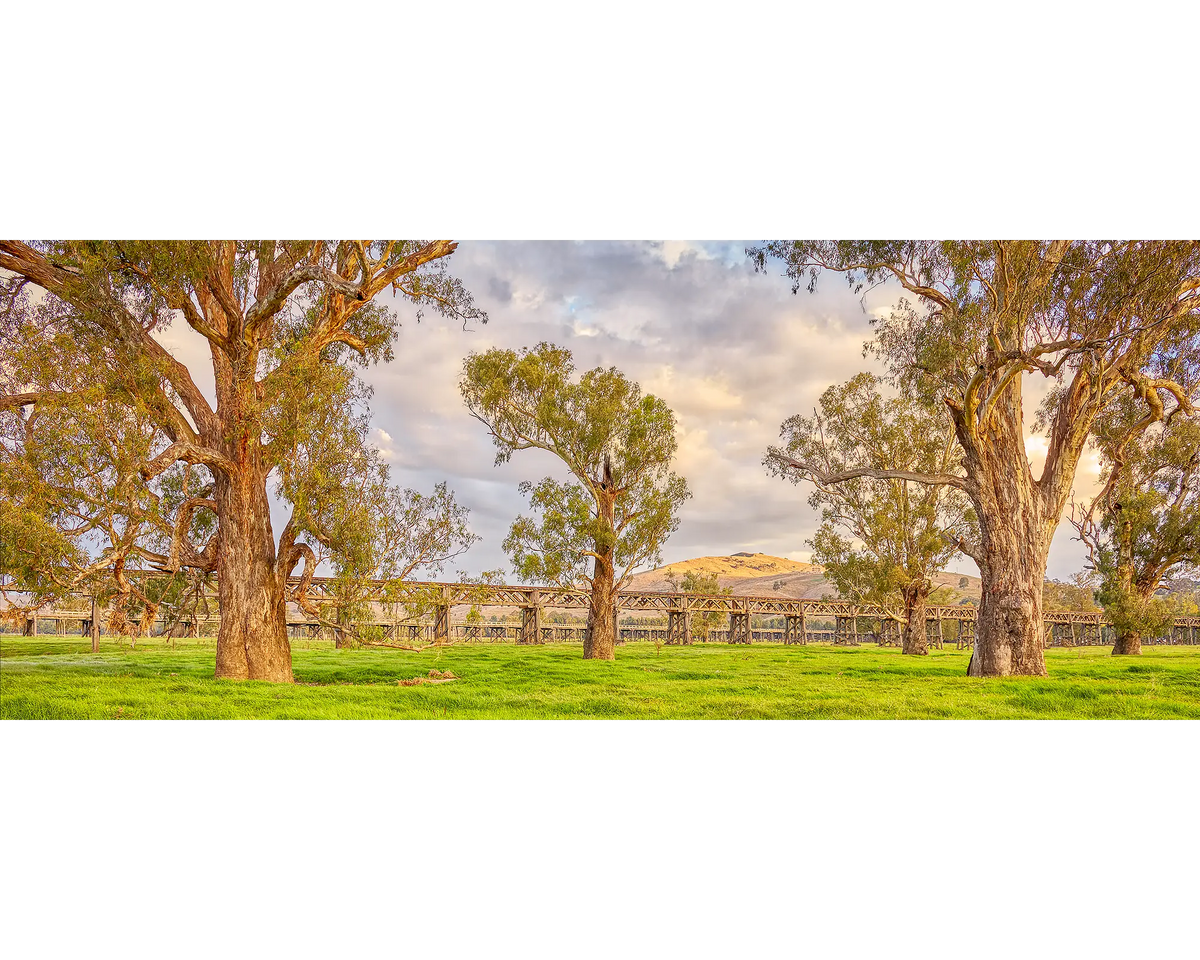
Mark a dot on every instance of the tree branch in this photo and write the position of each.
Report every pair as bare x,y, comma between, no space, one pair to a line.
269,305
15,401
183,520
830,479
187,452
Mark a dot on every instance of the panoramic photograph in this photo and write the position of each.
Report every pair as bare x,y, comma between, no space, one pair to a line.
777,479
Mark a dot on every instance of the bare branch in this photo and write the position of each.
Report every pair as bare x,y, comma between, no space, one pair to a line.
830,479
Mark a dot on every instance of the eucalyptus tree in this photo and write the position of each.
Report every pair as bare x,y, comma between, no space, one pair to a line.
283,323
1143,527
700,622
618,445
1076,593
881,539
373,534
75,516
970,319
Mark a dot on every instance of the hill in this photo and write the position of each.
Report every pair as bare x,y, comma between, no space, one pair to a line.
759,574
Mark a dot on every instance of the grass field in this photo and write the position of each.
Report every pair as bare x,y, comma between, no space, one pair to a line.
58,677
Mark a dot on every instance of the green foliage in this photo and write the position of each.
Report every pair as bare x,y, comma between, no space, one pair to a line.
1079,593
878,536
1148,524
556,546
29,544
618,444
707,584
1132,613
941,597
72,497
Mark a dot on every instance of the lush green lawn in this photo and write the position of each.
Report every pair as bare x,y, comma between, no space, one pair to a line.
49,677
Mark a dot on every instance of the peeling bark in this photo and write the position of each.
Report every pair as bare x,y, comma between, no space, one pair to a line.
252,642
1016,541
601,638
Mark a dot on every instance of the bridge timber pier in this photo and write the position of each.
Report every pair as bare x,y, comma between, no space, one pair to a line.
804,621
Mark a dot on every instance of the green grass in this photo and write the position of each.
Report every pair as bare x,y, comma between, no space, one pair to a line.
47,677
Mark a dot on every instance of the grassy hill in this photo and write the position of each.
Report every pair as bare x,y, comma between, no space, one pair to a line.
759,574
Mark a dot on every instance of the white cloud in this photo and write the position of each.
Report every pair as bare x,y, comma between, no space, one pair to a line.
383,441
672,251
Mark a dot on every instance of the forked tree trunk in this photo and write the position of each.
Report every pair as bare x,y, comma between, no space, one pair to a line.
914,639
1017,519
252,643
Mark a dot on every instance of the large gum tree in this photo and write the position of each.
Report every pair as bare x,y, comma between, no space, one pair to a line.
881,540
284,324
970,320
618,445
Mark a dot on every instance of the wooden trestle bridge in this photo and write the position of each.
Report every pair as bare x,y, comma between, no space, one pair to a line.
851,622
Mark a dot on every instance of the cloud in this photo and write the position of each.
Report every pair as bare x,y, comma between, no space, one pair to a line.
383,441
672,251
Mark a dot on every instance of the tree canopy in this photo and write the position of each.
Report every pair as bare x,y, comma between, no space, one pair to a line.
623,501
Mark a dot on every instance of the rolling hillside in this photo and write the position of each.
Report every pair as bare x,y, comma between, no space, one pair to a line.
758,574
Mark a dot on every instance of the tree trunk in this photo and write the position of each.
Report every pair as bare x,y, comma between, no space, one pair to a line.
1129,637
252,643
914,639
1128,642
94,625
341,635
1010,633
601,638
600,641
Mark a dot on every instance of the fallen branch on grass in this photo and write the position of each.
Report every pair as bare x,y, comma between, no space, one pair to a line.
435,676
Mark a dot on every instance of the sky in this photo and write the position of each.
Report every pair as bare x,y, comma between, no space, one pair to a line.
732,352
